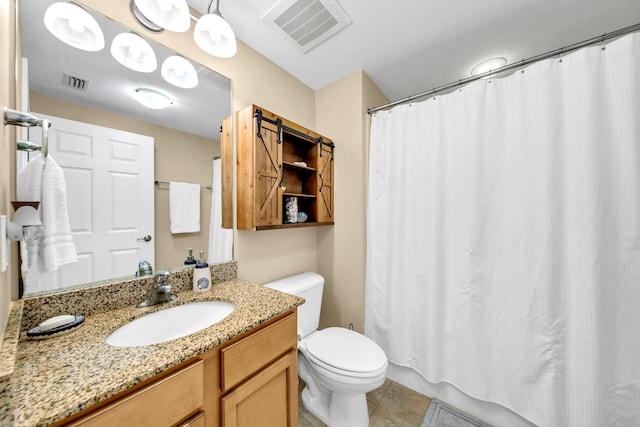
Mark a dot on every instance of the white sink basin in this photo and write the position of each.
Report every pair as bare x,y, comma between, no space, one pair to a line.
169,324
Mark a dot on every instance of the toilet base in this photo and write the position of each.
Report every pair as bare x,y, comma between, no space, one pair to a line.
343,411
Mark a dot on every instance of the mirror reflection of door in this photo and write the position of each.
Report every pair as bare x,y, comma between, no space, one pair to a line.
110,196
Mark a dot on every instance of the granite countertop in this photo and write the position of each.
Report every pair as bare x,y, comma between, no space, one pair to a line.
60,376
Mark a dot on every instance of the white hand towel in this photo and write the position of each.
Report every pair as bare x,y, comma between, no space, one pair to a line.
57,246
43,181
184,207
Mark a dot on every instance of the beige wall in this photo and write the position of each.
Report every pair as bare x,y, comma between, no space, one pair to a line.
195,154
7,141
341,113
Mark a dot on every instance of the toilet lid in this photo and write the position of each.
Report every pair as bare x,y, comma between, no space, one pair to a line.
346,350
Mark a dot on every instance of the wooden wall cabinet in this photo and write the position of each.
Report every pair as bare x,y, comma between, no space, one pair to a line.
277,160
226,162
250,381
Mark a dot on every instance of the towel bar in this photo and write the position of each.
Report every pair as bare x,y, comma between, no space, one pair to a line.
20,118
204,187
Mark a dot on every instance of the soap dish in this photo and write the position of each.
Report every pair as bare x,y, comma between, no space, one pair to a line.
41,333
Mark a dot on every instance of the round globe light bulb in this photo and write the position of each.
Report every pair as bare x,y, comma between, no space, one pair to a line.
164,5
215,35
76,26
134,52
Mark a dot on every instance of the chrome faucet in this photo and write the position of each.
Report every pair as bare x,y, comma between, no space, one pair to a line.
161,290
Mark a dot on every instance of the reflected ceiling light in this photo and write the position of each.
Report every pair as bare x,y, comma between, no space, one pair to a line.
179,72
134,52
214,35
151,98
172,15
488,65
74,26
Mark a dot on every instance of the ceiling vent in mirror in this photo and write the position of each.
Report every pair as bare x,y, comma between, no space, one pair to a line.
306,23
75,82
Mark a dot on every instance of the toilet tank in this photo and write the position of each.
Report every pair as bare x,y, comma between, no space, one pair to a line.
308,286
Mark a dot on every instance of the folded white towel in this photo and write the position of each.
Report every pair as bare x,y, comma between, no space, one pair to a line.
57,243
184,207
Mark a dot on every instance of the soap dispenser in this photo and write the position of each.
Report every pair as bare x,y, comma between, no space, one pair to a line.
190,259
201,275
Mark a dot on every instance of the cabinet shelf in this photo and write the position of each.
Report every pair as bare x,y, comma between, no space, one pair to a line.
306,196
293,225
290,165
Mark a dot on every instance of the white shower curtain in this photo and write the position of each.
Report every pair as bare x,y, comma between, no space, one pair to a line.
503,238
220,239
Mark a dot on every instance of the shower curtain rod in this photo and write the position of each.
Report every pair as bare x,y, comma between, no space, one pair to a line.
519,64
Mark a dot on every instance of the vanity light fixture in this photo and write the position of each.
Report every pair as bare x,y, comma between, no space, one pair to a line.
151,98
172,15
74,26
134,52
143,20
179,72
214,35
487,66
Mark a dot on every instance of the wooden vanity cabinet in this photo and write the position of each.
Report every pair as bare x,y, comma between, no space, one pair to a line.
260,377
250,381
278,159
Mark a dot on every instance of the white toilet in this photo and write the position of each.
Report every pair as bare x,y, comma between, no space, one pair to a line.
338,365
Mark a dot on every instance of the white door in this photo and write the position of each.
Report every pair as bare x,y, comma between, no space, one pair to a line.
110,196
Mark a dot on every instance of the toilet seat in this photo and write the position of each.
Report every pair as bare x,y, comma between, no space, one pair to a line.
344,351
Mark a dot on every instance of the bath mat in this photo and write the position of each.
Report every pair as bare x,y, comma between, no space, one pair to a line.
440,414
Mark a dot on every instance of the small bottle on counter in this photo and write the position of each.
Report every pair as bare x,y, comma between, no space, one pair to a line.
190,259
201,275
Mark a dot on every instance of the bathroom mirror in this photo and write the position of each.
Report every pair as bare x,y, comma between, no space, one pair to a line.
92,87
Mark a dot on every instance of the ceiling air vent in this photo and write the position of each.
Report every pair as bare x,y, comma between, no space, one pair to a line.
75,82
306,23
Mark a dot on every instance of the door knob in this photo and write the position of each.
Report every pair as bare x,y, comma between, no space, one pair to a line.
146,238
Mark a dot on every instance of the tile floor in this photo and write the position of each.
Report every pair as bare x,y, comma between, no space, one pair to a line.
392,405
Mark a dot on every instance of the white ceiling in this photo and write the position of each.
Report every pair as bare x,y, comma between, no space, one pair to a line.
410,46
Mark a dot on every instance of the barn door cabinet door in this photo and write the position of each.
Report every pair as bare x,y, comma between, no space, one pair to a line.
279,165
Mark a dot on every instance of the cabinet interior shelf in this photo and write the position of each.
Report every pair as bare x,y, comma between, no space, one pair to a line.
293,225
307,196
298,167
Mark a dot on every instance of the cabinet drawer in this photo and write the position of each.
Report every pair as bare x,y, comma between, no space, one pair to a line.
243,358
161,403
